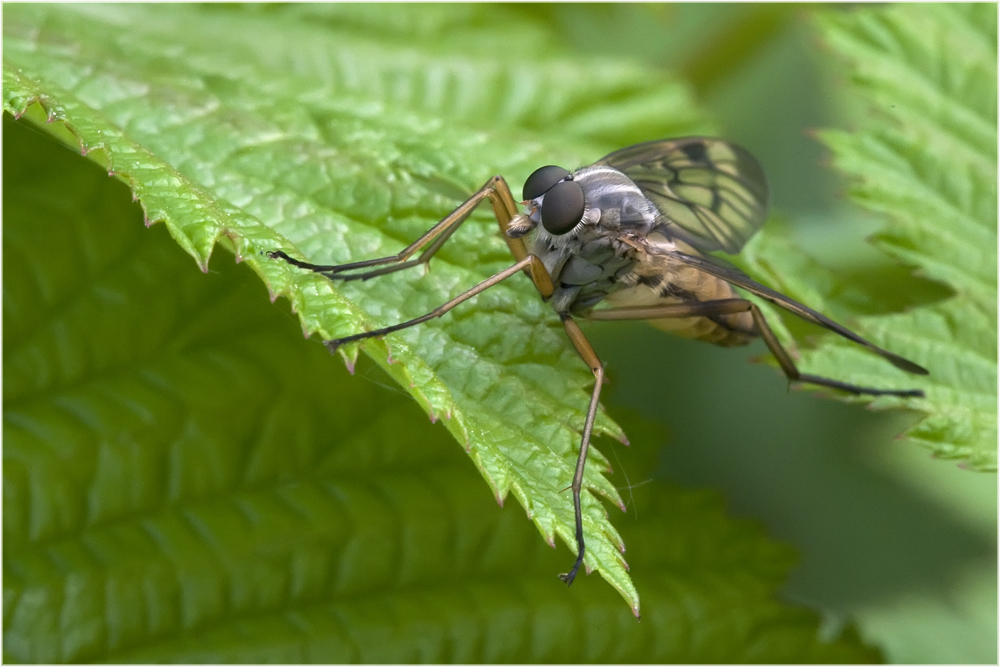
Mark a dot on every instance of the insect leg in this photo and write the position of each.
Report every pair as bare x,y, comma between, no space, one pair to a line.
530,262
792,373
671,310
503,205
582,346
736,277
730,306
425,256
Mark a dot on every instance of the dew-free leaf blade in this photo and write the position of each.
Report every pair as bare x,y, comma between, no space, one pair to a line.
269,130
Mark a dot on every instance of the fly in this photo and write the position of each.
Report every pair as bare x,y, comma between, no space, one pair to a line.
631,231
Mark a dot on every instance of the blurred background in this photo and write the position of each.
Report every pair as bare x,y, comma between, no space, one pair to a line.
904,544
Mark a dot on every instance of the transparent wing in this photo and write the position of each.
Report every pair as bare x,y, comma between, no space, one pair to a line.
712,194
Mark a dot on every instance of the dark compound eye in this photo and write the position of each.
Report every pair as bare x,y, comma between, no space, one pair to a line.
562,207
541,180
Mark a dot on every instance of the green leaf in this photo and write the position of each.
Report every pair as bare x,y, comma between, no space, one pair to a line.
926,158
186,481
268,130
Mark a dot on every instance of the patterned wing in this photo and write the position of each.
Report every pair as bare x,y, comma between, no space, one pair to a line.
712,194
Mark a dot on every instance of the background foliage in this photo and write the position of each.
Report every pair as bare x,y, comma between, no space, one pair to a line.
178,484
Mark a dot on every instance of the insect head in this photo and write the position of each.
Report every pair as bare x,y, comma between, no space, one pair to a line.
562,200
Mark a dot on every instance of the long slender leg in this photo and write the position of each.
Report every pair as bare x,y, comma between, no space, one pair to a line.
730,306
448,225
736,277
425,257
526,263
504,209
582,346
792,373
673,310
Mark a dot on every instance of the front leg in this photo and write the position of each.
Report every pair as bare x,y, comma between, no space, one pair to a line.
504,209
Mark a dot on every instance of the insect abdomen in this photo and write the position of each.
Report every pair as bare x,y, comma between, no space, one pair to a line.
690,286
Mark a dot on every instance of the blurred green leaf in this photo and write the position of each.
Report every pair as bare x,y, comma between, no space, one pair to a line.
926,158
186,481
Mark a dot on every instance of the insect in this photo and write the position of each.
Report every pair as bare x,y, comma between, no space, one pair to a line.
631,231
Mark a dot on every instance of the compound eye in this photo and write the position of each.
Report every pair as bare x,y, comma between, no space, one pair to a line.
562,207
541,180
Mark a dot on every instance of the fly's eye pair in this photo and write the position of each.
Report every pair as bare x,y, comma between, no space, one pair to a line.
563,205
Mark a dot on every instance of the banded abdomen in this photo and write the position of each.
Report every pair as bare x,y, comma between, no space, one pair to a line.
653,285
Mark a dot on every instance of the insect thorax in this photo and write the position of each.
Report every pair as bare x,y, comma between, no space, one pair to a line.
589,262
